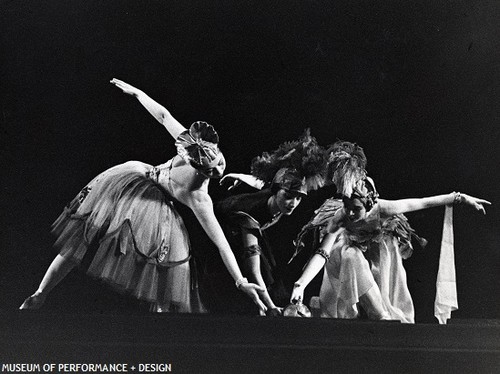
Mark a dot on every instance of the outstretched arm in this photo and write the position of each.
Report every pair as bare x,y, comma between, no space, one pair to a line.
159,112
201,204
391,207
313,267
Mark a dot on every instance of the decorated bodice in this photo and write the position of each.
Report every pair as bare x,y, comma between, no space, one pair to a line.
161,175
361,233
373,230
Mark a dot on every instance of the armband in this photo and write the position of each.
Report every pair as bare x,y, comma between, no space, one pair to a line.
323,254
247,252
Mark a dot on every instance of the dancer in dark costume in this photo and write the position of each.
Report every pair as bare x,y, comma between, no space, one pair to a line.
127,215
285,176
365,240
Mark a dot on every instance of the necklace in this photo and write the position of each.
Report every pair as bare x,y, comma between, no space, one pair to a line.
276,216
275,219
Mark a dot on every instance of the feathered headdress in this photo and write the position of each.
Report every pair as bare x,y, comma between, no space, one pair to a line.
346,166
198,145
303,157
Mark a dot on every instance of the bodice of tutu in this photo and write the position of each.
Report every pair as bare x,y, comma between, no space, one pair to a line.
161,175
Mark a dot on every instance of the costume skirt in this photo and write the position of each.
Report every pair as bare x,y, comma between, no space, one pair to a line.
127,228
348,275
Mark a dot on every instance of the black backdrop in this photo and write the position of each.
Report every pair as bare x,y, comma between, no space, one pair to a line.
415,83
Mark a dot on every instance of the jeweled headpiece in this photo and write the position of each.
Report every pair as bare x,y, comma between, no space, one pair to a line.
199,145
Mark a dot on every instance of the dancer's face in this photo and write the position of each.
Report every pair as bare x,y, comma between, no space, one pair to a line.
355,209
287,201
216,171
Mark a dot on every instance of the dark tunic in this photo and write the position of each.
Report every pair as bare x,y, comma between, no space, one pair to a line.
249,211
246,212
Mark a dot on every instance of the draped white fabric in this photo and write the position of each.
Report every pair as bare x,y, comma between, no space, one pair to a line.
446,287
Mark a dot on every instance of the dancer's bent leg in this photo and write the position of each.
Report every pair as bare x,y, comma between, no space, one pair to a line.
373,304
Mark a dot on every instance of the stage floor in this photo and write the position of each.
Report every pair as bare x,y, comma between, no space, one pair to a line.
236,344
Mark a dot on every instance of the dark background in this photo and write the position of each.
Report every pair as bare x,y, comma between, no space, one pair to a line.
417,84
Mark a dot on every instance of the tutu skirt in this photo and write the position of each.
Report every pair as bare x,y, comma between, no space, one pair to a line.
127,228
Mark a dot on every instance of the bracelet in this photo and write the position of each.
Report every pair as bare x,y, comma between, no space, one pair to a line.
297,285
457,197
240,281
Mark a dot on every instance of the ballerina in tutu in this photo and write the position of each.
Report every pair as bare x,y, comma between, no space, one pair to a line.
126,221
365,240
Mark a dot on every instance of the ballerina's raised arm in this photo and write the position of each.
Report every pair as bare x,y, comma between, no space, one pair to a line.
157,110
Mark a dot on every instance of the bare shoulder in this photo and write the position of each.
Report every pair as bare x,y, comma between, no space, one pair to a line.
384,207
197,200
184,176
202,196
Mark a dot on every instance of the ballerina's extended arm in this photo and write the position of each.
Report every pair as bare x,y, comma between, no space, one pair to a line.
158,111
201,204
